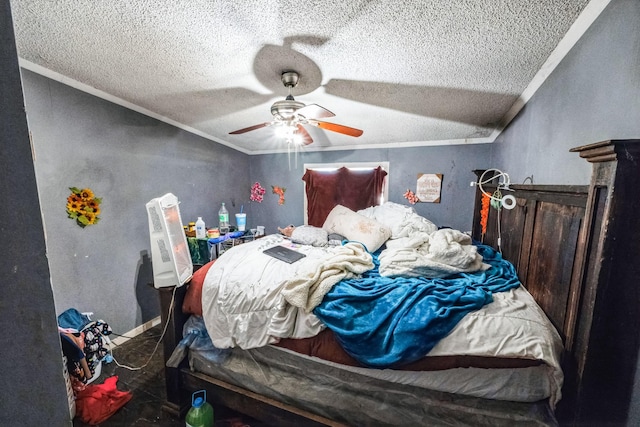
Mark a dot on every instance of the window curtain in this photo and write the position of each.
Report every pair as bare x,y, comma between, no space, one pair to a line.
354,189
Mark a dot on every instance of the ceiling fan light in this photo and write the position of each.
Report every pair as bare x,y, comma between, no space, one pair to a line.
285,130
296,139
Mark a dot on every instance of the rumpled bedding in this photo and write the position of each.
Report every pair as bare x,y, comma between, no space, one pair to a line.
402,220
437,254
315,279
384,322
245,292
417,248
251,300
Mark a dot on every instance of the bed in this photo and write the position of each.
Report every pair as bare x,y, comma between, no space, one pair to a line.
284,381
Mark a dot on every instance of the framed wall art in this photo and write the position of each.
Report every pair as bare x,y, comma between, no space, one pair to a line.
429,187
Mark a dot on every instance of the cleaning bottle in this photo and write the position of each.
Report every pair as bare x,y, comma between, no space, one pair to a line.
201,232
201,412
223,218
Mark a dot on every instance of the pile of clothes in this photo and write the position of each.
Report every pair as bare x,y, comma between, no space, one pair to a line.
85,344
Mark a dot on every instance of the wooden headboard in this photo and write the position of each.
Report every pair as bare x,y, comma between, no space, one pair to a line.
540,236
575,250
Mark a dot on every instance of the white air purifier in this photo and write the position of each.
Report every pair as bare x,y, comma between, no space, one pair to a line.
170,254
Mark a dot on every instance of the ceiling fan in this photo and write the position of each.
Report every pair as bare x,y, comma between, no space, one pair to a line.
290,115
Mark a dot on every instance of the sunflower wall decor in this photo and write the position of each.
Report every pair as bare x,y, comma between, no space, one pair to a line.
83,206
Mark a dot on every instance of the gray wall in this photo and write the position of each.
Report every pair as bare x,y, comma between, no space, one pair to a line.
593,95
127,159
456,163
32,387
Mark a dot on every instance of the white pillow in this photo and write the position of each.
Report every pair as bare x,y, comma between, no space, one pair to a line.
310,235
401,219
357,228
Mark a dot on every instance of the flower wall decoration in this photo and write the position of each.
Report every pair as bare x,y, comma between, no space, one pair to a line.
83,206
257,193
280,192
411,197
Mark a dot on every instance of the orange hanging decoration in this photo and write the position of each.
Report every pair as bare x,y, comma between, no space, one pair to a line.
484,213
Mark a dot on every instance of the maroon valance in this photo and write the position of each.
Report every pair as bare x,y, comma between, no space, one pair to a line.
356,189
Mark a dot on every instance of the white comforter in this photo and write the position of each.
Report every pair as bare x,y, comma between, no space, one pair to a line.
436,254
418,249
250,299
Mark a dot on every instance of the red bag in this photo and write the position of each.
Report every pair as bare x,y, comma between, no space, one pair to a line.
98,402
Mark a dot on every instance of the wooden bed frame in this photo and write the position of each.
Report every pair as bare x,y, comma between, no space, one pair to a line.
575,249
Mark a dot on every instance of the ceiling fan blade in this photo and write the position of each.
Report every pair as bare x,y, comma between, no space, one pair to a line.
334,127
250,128
306,138
314,111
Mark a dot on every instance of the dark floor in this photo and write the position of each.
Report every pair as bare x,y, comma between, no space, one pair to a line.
146,384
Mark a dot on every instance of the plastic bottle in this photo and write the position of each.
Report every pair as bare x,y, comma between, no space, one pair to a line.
223,217
201,412
201,232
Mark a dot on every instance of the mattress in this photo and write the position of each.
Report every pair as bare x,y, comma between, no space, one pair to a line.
362,396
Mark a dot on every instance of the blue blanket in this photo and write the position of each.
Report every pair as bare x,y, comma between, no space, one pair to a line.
384,322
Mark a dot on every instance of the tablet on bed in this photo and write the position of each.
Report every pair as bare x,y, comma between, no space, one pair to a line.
284,254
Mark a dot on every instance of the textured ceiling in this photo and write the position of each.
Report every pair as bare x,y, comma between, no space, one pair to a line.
405,72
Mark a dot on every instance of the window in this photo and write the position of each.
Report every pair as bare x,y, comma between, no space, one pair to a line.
354,185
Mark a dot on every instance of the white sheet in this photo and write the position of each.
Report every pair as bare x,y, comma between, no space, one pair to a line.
512,326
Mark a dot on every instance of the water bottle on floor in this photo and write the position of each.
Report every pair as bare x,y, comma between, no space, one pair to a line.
201,412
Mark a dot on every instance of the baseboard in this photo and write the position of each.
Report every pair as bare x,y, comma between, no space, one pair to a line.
134,332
